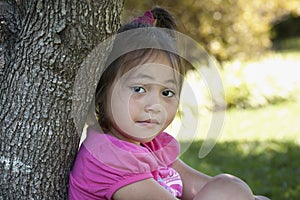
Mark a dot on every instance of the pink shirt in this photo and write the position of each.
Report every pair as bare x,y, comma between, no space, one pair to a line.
104,164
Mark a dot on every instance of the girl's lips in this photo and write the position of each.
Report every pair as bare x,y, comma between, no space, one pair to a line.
148,122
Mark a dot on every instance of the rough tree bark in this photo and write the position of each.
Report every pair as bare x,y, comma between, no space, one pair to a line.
42,44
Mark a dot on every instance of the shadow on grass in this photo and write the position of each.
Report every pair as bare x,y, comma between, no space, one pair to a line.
271,168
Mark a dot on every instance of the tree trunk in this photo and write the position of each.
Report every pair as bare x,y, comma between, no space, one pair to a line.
42,44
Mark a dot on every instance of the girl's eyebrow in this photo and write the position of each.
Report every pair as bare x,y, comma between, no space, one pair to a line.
146,76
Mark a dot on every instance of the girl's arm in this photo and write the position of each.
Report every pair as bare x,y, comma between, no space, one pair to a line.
197,185
192,180
147,189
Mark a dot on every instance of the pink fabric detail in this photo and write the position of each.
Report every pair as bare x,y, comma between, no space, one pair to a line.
147,18
170,180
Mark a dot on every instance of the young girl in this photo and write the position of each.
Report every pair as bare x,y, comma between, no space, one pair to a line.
129,156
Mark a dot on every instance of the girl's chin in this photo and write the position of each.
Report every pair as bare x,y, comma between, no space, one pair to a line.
139,135
142,140
139,139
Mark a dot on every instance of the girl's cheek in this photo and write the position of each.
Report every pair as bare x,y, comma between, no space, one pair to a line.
134,106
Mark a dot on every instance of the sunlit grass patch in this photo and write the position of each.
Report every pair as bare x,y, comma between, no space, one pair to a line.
277,122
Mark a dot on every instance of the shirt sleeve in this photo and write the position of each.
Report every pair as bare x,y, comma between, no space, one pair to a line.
104,164
93,179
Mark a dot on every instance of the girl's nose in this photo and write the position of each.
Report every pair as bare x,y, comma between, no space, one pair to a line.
153,103
154,108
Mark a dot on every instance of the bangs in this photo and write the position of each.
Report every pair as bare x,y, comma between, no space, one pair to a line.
142,56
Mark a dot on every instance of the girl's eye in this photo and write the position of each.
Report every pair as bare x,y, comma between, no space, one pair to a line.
168,93
138,89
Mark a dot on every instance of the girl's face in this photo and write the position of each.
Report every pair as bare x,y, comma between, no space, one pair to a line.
144,100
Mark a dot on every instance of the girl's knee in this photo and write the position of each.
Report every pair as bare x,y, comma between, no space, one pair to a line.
233,186
230,180
261,198
227,177
225,186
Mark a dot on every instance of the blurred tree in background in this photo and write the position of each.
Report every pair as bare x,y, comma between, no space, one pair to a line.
228,29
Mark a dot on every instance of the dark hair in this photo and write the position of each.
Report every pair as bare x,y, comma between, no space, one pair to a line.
138,55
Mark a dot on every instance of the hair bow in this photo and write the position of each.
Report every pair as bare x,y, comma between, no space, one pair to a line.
147,18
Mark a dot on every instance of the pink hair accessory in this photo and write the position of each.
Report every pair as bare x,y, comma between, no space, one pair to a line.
147,18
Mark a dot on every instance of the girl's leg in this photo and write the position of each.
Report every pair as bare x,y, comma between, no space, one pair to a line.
225,187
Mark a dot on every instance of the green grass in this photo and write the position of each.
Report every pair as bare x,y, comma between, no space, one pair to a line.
279,122
261,146
270,168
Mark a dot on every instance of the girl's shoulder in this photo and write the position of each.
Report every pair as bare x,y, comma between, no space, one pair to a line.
165,147
112,152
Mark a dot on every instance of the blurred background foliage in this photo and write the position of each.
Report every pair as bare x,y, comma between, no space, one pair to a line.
229,29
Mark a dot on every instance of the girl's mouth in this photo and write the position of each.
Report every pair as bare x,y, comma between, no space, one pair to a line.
148,122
